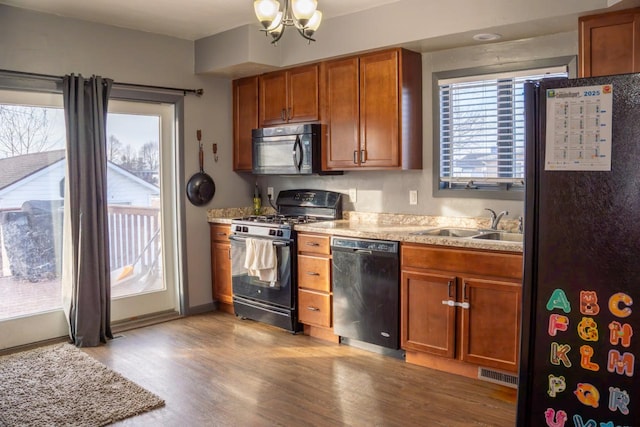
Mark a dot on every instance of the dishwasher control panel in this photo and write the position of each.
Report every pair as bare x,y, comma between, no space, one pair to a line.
364,244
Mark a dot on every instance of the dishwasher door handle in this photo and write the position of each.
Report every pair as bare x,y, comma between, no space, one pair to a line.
363,251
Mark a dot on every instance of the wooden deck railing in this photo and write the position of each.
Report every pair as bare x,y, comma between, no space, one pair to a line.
134,236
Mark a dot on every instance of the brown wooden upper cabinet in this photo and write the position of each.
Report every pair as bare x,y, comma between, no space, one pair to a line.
373,111
245,119
609,43
290,96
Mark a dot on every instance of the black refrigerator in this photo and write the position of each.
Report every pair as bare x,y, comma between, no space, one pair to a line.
581,292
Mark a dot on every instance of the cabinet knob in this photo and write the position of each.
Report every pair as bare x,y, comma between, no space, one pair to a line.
355,156
363,156
312,273
312,308
312,244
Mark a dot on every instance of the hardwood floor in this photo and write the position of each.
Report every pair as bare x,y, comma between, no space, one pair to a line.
217,370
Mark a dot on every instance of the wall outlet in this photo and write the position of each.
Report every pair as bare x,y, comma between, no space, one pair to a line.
270,193
353,195
413,197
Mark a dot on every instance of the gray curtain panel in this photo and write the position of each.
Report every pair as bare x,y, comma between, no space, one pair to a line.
89,305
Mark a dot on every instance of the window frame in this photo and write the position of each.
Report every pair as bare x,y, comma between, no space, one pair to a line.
501,191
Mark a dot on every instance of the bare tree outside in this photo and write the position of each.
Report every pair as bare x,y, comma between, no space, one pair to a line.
25,130
114,148
150,155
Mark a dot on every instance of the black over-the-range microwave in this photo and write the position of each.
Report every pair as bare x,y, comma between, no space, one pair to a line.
287,150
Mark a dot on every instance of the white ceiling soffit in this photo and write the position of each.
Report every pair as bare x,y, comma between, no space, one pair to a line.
185,19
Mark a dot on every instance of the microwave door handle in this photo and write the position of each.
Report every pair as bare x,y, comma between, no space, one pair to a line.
297,146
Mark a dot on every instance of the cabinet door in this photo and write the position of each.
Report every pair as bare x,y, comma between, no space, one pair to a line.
303,100
245,119
342,115
221,262
379,121
490,329
427,321
610,44
273,98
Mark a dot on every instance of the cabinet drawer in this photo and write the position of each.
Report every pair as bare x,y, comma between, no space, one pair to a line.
314,308
314,273
314,243
496,264
220,232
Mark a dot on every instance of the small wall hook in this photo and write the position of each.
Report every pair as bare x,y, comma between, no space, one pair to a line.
215,152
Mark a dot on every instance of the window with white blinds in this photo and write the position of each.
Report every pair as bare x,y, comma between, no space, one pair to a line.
482,128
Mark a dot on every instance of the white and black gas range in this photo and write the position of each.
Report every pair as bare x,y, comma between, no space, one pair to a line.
275,301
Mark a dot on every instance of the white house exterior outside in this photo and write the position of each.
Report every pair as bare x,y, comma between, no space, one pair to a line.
41,174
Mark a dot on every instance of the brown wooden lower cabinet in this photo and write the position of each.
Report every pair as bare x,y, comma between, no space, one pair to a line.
221,266
461,305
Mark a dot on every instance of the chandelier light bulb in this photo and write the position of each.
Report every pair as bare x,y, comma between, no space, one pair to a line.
266,11
277,25
314,22
303,10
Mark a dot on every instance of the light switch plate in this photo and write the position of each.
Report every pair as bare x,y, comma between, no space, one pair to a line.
353,195
413,197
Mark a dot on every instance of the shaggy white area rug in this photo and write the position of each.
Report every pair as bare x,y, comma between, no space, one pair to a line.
60,385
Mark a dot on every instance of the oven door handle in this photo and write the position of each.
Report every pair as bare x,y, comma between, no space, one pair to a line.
278,243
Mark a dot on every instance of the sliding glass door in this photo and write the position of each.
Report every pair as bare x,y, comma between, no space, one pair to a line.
142,204
142,210
32,172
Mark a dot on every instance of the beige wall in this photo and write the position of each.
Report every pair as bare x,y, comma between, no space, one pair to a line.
47,44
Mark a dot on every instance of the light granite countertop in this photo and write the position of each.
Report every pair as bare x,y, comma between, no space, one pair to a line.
397,227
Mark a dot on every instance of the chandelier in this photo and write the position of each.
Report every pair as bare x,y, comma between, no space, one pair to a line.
301,14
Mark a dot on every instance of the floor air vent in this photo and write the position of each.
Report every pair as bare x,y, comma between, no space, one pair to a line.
498,377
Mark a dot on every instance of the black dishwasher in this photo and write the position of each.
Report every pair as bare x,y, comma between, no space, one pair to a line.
366,291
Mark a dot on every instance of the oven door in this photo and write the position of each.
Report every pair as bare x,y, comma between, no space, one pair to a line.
282,292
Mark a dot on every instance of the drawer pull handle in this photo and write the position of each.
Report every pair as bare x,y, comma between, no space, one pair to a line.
312,244
312,308
221,234
312,273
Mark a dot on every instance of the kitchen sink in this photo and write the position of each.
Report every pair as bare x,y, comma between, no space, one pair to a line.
471,233
500,235
447,232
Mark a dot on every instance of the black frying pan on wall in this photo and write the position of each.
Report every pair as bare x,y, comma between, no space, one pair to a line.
200,188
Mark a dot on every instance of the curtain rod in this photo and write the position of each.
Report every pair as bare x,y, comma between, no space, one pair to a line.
197,92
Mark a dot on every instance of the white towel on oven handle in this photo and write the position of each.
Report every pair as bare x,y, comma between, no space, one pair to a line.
261,260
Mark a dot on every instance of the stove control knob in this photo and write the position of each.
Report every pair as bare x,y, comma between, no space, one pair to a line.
238,228
280,233
245,229
272,232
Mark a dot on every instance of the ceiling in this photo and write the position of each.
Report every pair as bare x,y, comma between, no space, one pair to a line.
185,19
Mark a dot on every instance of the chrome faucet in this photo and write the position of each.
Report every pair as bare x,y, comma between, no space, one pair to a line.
495,218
